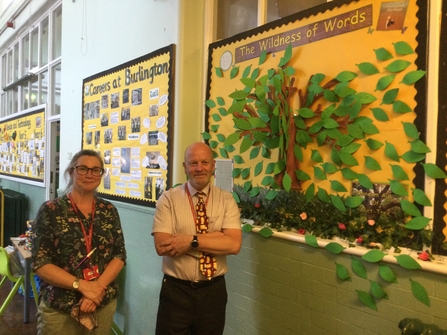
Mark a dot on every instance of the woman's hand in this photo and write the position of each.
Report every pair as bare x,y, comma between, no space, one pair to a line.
92,290
87,306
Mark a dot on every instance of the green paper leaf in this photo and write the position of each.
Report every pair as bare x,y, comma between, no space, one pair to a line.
287,182
421,198
311,240
262,57
271,194
346,76
349,174
398,172
365,181
377,290
390,96
367,299
234,72
329,167
322,195
410,130
266,232
417,223
353,202
391,152
319,173
410,208
407,262
412,157
255,152
310,192
219,72
419,292
246,228
334,247
413,76
384,82
397,66
206,136
380,114
382,54
373,256
358,268
337,186
238,159
403,48
246,144
367,68
301,175
316,157
338,203
373,144
398,188
433,171
210,103
401,107
372,164
258,168
387,274
348,159
342,272
419,147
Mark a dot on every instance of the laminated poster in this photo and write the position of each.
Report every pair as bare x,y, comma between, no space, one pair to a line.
127,119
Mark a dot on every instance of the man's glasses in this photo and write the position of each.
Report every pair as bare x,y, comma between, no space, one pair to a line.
83,170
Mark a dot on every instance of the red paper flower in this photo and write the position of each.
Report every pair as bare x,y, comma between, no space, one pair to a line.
341,226
257,205
359,240
424,256
302,231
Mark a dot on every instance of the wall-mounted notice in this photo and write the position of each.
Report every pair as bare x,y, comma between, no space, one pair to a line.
126,118
22,140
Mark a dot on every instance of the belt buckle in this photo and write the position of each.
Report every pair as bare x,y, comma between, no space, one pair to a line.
194,284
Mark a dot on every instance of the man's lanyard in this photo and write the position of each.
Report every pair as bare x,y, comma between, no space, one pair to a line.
191,204
88,239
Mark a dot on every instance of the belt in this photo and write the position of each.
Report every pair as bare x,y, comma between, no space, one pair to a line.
194,284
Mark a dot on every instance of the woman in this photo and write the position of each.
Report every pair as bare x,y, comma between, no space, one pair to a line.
66,230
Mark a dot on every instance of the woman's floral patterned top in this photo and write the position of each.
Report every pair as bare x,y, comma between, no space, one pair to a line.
58,239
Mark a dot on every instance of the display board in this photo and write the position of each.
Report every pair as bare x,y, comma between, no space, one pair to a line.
22,139
324,100
127,119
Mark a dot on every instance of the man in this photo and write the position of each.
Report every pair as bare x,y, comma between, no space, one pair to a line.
191,302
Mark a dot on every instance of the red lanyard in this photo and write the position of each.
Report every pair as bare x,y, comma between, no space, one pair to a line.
88,239
194,213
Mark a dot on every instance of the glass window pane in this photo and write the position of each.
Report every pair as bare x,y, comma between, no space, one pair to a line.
34,48
26,97
44,42
43,94
289,7
2,104
57,33
3,72
34,92
25,55
9,68
236,16
16,62
56,90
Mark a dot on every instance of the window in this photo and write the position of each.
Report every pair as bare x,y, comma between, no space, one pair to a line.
31,66
236,16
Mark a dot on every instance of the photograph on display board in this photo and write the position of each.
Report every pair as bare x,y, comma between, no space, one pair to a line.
127,119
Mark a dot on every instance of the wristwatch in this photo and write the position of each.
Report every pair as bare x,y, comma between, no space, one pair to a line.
76,284
194,242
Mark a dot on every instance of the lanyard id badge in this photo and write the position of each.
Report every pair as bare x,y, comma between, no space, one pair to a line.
91,272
